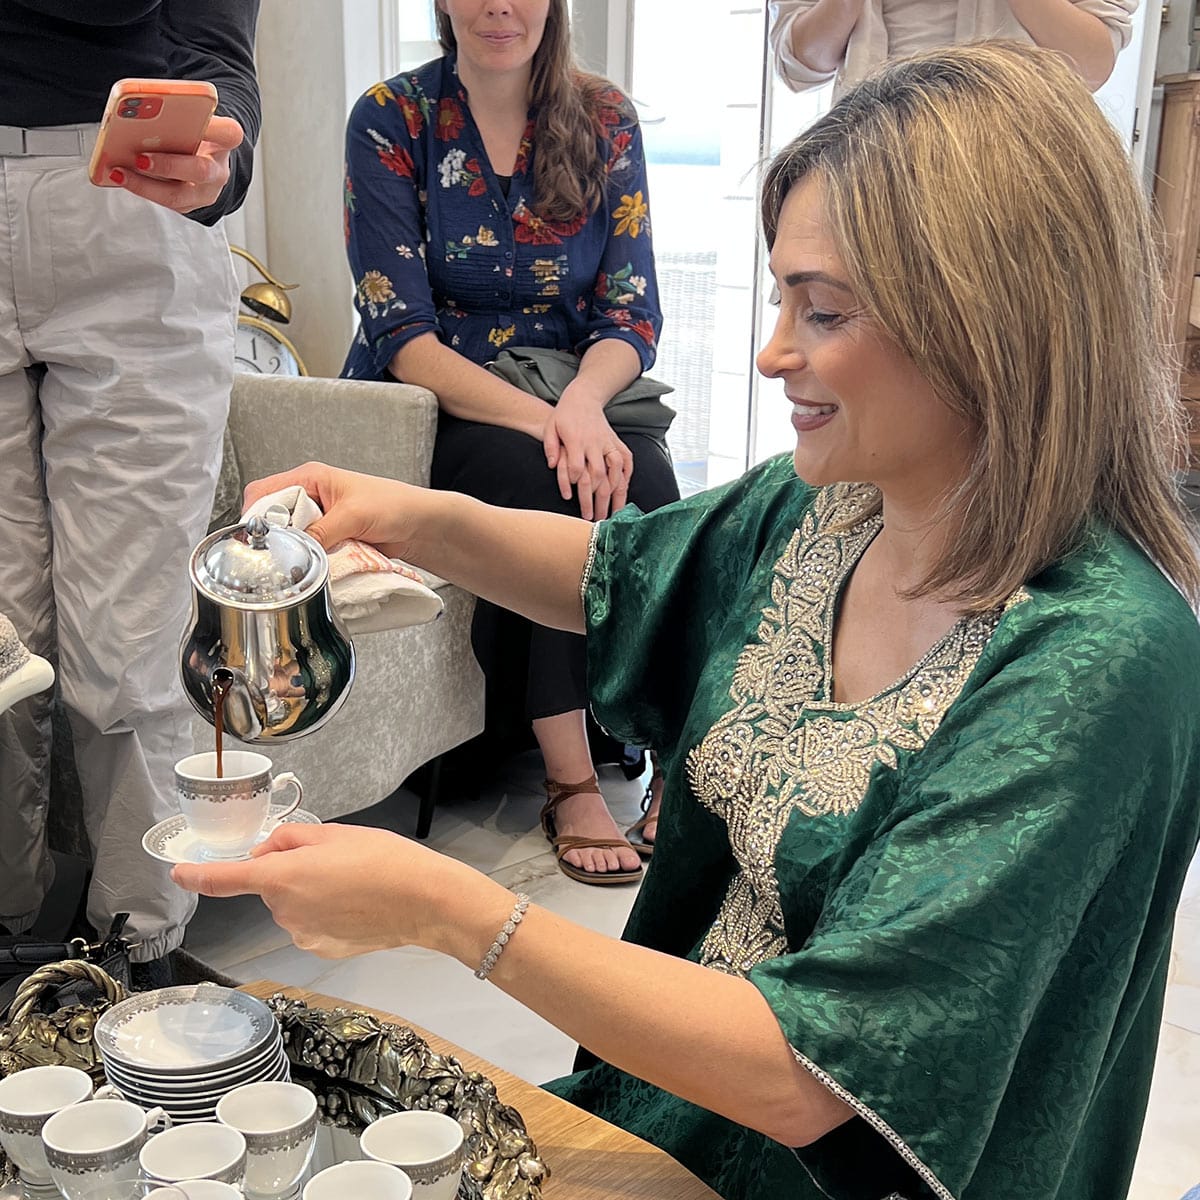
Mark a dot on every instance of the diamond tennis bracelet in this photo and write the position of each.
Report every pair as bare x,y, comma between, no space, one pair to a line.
506,931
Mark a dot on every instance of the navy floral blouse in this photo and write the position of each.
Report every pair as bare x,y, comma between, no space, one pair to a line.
436,246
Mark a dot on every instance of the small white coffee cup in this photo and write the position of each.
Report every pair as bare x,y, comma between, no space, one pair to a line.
361,1180
137,1189
207,1189
228,815
279,1123
96,1143
427,1146
28,1099
201,1150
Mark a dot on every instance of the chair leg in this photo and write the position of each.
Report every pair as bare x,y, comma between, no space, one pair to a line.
429,798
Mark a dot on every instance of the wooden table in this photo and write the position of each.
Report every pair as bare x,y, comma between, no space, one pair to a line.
589,1159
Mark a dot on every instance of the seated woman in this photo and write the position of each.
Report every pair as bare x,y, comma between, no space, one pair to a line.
815,40
497,197
927,693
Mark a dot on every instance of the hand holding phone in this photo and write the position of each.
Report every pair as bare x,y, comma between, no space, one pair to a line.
160,140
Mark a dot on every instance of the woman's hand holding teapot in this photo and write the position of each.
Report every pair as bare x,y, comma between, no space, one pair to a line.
374,510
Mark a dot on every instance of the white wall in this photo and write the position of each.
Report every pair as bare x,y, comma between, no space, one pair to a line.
314,58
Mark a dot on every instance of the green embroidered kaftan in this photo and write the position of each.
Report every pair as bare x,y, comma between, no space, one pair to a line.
956,896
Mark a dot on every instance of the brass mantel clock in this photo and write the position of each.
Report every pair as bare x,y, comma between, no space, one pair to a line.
261,347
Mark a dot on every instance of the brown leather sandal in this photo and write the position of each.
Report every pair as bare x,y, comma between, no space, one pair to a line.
556,793
634,834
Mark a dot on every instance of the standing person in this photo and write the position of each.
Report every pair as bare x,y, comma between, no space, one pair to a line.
927,692
117,315
815,40
497,197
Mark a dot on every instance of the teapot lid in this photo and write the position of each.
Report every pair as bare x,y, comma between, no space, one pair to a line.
262,563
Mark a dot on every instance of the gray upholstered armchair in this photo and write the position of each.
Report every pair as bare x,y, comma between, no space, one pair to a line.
418,692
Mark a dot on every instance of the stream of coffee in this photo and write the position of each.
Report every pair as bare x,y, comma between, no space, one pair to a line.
221,680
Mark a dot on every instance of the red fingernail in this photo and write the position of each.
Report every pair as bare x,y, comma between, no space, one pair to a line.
142,162
116,175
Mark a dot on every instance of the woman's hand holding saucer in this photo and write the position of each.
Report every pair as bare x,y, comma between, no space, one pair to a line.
340,890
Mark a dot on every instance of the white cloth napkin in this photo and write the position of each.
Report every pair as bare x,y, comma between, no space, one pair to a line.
370,591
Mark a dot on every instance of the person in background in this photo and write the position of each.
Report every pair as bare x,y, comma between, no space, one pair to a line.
927,692
117,316
814,41
497,197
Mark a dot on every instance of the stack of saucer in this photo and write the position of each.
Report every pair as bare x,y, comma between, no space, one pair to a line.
183,1048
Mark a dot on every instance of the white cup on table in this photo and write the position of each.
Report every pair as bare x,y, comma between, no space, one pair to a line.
429,1147
279,1123
136,1189
201,1150
362,1180
93,1145
28,1099
206,1189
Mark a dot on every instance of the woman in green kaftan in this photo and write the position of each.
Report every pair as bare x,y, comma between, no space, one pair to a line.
928,693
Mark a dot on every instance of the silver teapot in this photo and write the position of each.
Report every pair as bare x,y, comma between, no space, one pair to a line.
264,630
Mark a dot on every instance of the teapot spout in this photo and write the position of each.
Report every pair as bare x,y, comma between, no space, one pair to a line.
242,706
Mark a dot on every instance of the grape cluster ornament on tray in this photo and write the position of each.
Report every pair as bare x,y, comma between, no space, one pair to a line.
362,1068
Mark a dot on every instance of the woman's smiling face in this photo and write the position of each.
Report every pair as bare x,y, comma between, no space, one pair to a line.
862,410
497,35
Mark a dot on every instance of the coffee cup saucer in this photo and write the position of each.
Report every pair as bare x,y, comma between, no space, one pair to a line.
171,841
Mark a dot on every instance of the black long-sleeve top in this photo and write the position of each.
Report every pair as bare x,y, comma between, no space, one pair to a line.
59,58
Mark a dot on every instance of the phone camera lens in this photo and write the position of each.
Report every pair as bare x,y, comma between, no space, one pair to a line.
133,101
129,112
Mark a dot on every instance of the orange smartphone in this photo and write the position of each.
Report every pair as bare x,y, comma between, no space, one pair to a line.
148,116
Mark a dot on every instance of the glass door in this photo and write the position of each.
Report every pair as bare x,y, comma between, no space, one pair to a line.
712,113
697,79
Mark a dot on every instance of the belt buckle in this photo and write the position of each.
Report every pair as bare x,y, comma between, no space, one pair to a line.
12,141
55,143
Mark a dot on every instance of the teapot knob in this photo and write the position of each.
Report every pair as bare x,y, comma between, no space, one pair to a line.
257,528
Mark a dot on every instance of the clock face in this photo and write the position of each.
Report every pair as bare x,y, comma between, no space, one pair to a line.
261,351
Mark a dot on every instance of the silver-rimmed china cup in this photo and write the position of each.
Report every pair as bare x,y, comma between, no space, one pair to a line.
429,1147
228,815
28,1099
96,1144
201,1150
137,1189
360,1180
206,1189
279,1123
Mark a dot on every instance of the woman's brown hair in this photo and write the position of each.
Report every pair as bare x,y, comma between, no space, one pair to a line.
569,171
990,220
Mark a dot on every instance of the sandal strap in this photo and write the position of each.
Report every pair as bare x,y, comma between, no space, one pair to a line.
557,792
565,843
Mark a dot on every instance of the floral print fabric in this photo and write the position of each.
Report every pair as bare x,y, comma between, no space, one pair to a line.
966,937
436,246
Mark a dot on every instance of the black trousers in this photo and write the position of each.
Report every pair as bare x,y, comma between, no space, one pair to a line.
531,671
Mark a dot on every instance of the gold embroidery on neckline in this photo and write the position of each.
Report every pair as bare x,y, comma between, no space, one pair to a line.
786,746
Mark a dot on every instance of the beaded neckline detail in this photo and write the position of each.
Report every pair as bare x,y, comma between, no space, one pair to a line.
785,745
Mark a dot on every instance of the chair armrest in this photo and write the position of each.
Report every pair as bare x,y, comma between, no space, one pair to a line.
382,428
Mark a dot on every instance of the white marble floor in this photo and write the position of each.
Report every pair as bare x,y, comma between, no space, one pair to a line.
499,835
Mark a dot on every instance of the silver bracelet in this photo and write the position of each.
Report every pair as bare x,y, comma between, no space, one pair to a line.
506,931
589,564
